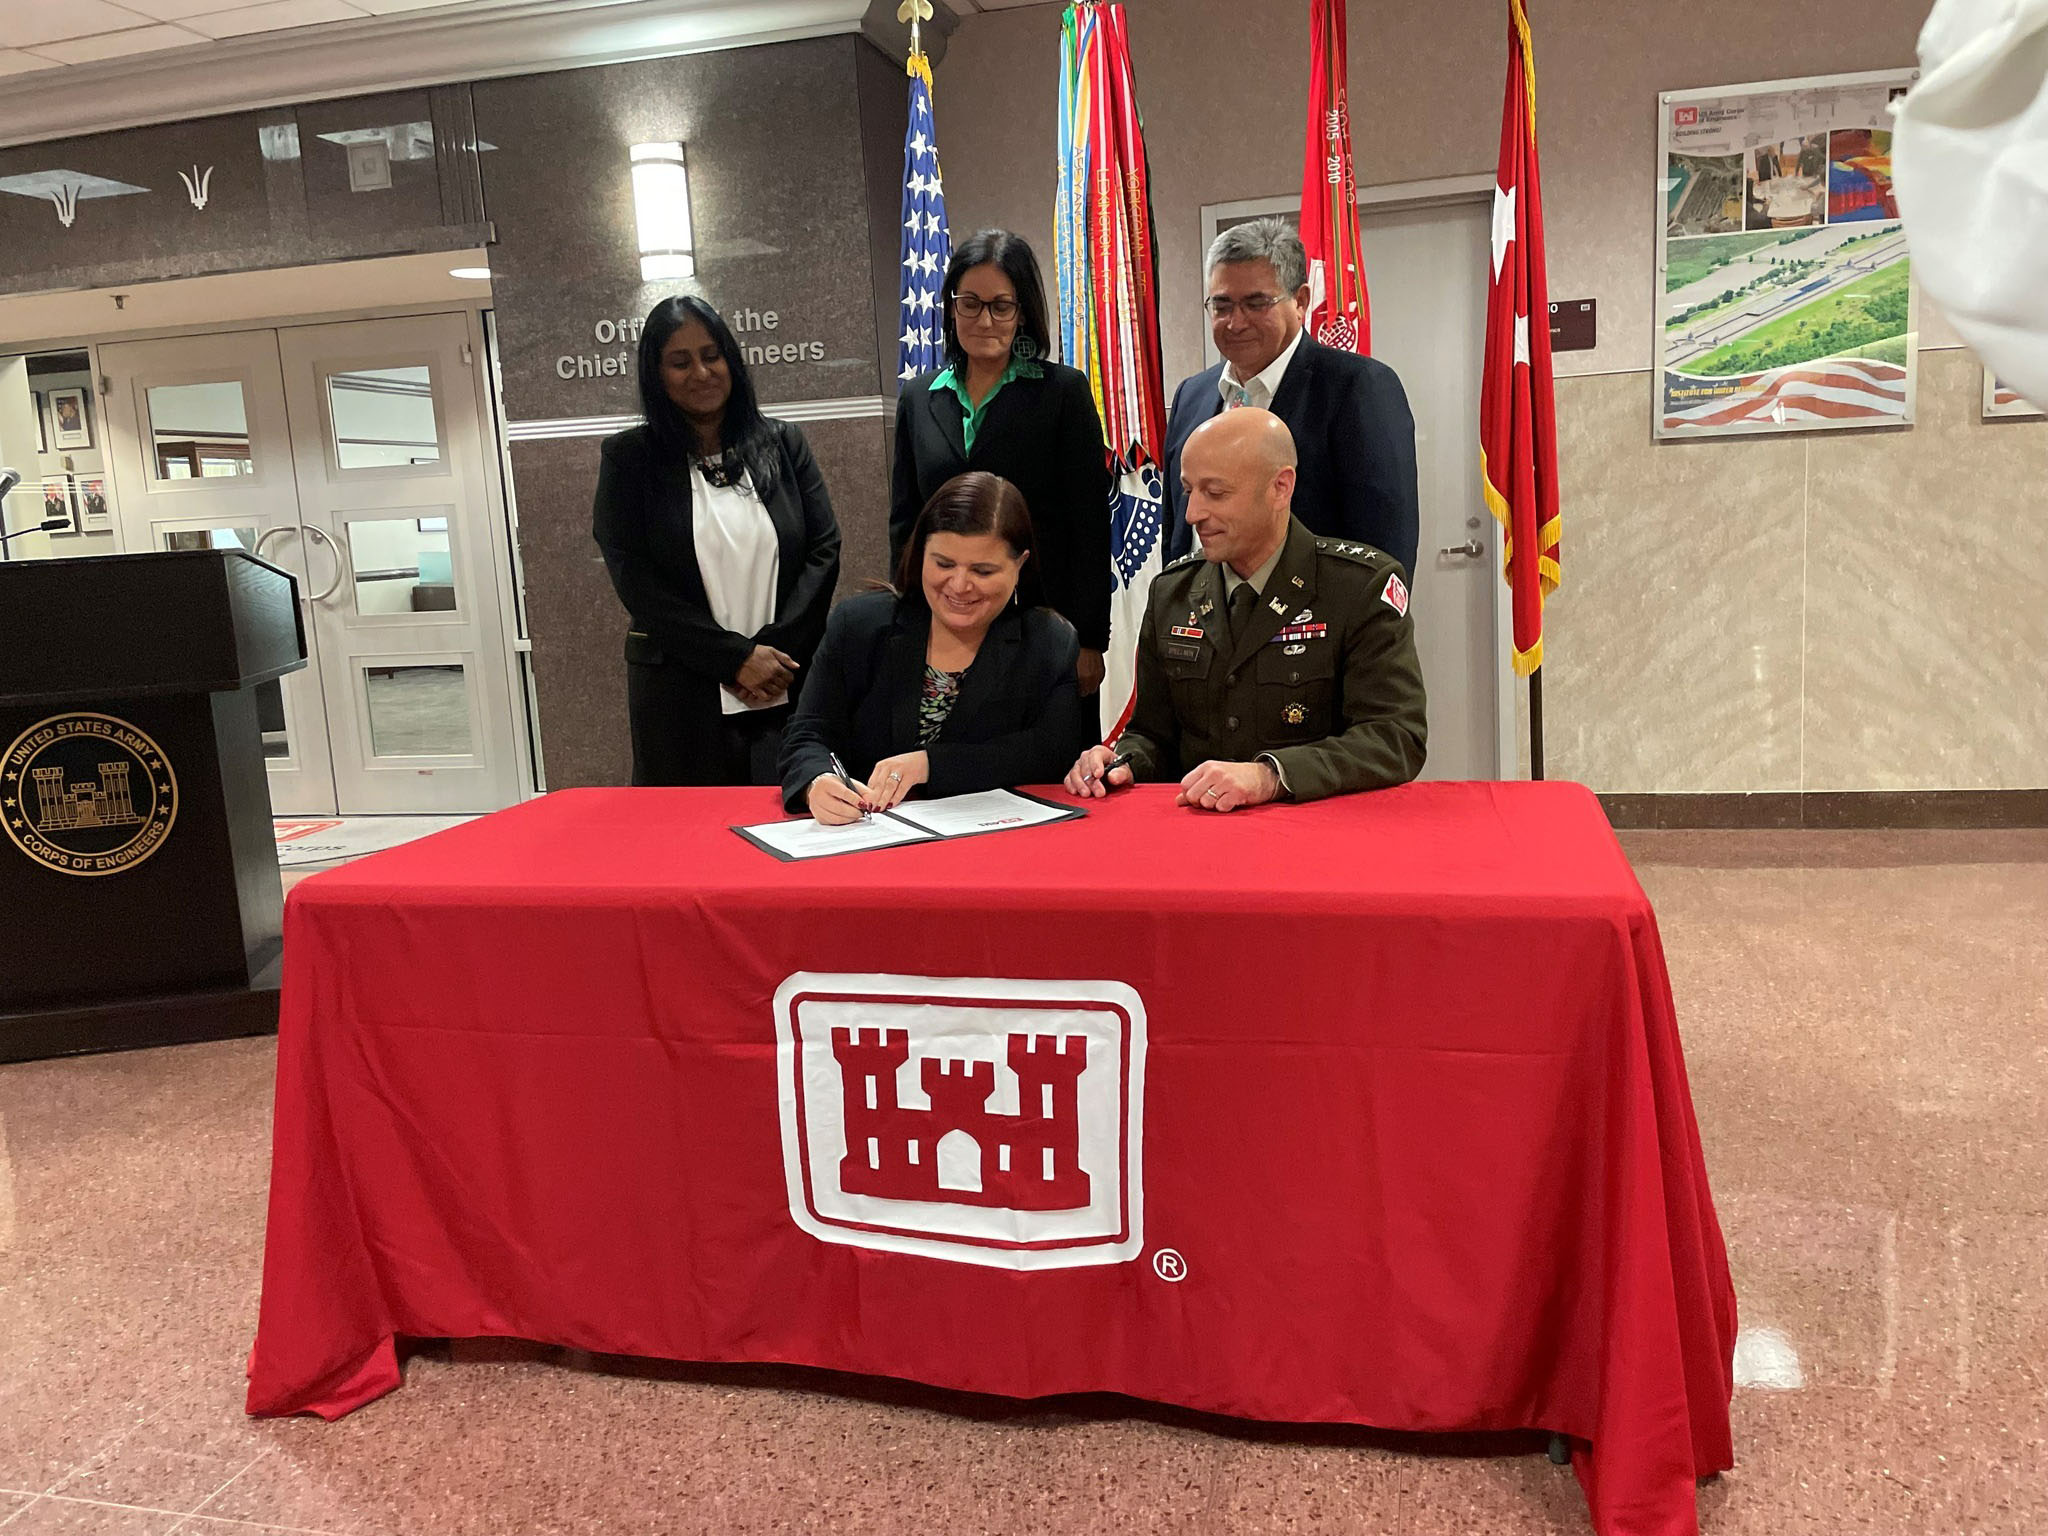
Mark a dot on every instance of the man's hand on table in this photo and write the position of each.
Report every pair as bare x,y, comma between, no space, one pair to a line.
1086,778
1215,786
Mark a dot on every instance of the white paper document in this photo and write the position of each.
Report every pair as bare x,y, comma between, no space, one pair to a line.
802,838
995,810
917,821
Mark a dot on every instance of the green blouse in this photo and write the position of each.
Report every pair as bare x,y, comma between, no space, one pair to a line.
970,413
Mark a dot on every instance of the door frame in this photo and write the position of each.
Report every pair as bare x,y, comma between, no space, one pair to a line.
503,550
1408,197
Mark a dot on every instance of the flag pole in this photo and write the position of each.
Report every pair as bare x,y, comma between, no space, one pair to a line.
1536,723
914,12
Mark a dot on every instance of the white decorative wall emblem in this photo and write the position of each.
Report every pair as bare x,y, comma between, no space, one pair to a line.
196,185
66,199
986,1121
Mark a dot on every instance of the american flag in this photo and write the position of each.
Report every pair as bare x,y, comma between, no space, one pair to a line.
927,243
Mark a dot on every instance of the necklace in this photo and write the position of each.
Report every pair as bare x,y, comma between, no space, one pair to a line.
724,471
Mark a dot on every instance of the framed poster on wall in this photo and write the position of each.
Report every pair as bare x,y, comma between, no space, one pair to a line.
92,513
69,429
58,503
1784,288
2001,400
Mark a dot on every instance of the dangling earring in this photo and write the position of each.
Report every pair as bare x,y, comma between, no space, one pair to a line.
1023,348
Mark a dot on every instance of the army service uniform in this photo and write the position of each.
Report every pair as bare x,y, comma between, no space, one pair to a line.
1323,681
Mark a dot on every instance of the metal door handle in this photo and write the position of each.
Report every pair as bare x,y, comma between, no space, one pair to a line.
332,548
265,537
1471,549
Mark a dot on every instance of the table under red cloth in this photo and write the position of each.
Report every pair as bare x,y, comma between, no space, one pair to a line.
1383,1116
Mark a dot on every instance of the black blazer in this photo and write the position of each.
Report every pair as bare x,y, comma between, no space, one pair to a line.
1043,436
1353,437
642,523
1018,719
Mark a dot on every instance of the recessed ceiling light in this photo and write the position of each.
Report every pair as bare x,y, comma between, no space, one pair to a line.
481,274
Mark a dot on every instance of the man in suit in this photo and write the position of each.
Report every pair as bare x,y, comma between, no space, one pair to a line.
1348,414
1274,664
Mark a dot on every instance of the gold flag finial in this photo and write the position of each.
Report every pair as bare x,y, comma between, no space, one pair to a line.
913,12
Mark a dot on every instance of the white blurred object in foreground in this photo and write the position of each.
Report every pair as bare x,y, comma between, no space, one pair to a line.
1970,166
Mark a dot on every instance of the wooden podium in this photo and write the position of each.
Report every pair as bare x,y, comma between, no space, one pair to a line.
138,864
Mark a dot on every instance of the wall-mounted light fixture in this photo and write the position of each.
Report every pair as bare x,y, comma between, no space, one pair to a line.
661,207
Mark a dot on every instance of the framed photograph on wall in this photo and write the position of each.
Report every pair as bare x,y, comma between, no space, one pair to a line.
1784,288
69,427
2001,400
58,503
93,515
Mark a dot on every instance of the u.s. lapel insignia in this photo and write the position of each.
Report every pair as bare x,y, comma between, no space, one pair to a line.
1299,582
1294,714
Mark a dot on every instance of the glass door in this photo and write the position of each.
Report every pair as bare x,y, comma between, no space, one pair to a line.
386,420
202,459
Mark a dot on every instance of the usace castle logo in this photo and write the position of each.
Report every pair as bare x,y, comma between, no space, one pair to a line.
86,794
984,1121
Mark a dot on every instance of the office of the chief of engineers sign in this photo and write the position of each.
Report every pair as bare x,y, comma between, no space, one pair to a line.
624,335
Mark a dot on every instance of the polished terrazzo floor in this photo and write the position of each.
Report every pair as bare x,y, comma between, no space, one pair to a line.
1866,1020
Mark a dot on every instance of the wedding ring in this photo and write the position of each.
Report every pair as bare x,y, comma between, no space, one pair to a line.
1210,794
894,777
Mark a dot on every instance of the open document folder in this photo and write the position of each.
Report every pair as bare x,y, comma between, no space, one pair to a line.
920,821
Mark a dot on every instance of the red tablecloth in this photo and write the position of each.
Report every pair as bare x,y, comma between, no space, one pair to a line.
1370,1111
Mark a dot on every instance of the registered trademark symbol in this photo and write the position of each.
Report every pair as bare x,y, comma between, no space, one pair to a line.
1169,1266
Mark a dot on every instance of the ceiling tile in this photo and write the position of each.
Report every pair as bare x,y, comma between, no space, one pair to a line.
14,62
28,23
393,7
175,10
115,45
273,17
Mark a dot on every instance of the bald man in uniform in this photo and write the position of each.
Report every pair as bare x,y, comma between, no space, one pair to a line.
1274,664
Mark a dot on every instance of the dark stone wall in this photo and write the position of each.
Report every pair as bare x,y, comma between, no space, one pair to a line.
277,193
782,144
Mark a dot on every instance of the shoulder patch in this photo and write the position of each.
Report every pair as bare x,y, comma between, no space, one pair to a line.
1347,549
1395,594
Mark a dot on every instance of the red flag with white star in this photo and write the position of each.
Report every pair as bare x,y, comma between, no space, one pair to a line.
1517,406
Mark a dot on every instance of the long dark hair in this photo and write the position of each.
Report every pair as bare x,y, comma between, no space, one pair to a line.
1012,253
972,504
744,433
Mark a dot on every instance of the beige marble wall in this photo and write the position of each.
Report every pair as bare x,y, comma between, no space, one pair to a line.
1927,598
1672,648
1825,611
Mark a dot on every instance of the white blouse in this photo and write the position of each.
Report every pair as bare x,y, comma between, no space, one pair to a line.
740,561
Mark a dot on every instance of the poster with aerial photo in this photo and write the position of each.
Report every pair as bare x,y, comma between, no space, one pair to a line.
1785,296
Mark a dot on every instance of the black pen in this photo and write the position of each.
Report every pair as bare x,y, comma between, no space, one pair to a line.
839,773
1122,760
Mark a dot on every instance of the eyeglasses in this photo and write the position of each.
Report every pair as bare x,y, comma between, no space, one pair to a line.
968,306
1253,304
